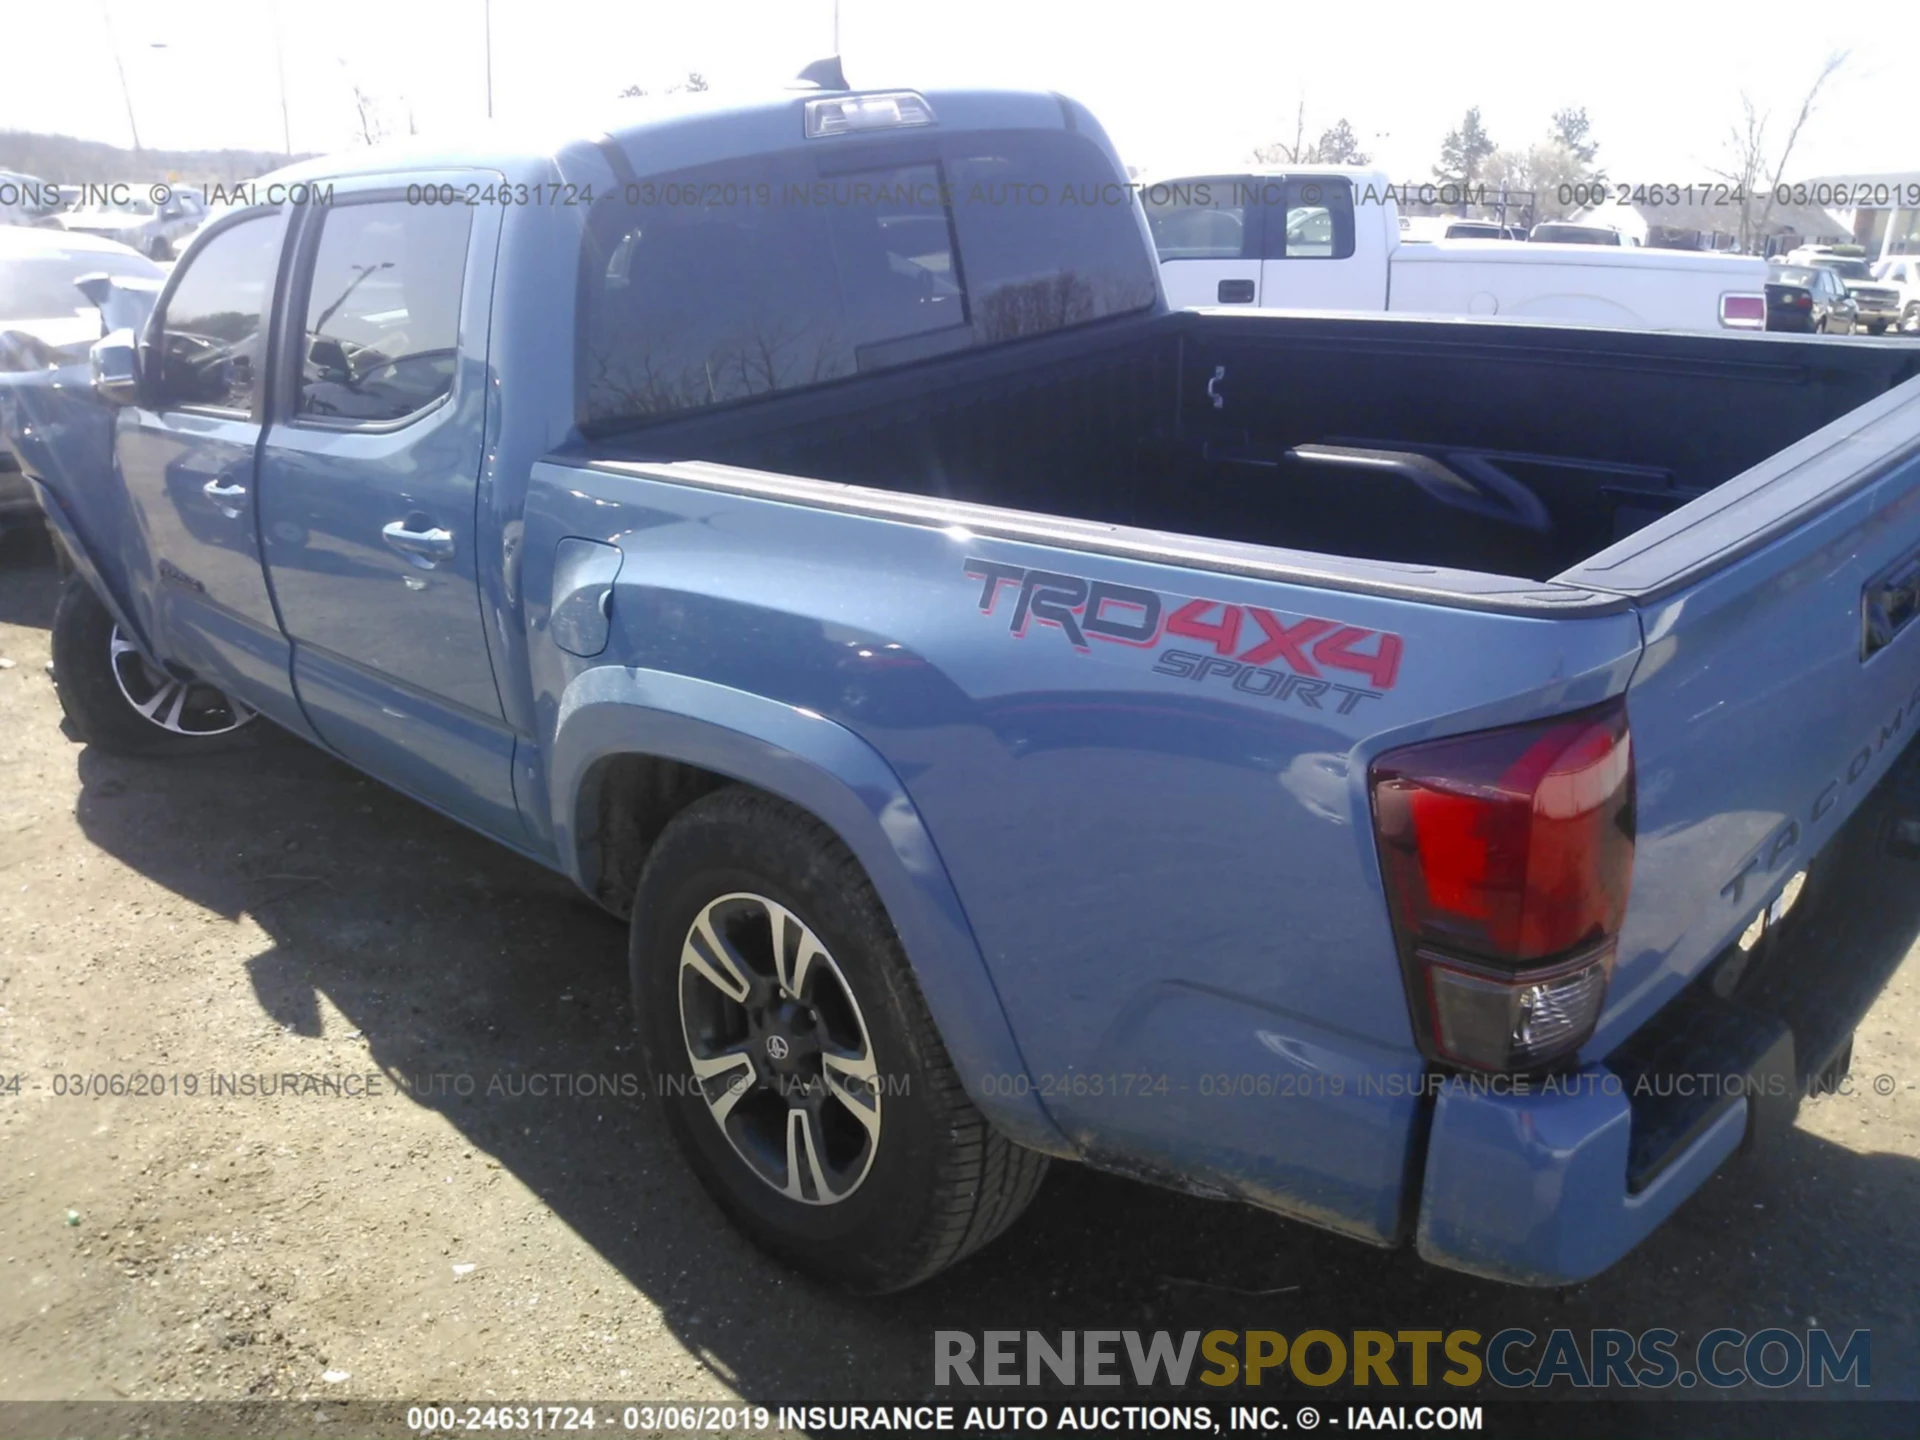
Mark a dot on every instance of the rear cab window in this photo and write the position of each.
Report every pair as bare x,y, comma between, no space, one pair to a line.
1233,217
1204,219
779,272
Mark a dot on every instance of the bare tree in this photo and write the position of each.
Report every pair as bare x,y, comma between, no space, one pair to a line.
694,83
377,117
1278,152
1337,145
373,127
1748,165
1834,62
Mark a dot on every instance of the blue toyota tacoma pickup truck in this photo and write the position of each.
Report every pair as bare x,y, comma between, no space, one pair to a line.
1354,765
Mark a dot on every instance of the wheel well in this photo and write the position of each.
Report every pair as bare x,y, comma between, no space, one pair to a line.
625,802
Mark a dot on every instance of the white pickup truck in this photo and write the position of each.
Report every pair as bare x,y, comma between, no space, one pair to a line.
1328,238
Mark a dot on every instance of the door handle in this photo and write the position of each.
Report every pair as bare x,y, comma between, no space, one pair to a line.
1235,292
424,545
229,498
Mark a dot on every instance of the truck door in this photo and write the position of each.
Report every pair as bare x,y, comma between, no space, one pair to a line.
368,492
1208,234
188,459
1325,249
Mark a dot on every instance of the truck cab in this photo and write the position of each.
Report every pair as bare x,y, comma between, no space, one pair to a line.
1302,237
1333,238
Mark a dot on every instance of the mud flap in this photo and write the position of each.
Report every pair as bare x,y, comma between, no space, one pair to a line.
1773,1096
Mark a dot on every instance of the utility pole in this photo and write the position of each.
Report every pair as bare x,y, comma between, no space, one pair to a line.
836,27
489,29
126,95
280,65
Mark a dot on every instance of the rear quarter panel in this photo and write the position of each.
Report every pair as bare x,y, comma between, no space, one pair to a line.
1171,881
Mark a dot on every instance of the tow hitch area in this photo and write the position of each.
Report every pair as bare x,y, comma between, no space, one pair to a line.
1700,1058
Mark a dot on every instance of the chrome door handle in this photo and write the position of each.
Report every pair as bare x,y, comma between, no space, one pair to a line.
229,498
424,547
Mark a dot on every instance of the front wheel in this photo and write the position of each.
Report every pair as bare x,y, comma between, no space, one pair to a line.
800,1070
118,699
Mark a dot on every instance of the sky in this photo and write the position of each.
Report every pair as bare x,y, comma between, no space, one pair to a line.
1178,87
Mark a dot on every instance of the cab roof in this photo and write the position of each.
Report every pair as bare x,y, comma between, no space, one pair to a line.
660,134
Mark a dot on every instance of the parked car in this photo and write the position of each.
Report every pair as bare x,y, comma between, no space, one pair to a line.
1020,720
1810,298
135,221
1880,304
1561,232
1902,274
26,199
1329,238
46,321
1417,228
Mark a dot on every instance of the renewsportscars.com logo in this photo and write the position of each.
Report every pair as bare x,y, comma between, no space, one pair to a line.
1513,1359
1302,659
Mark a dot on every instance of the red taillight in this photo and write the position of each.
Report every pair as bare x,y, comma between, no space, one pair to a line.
1743,312
1507,856
1803,300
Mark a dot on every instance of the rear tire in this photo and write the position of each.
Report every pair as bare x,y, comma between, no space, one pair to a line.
761,954
98,676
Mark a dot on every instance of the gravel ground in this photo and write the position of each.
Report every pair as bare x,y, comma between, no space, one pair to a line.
274,912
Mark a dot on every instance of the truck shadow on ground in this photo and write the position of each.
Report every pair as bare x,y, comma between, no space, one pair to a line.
454,957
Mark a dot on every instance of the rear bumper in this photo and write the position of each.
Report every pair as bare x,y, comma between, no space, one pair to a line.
1550,1187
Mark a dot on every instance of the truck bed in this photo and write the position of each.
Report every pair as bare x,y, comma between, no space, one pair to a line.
1506,449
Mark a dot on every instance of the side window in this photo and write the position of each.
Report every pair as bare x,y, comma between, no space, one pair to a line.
383,310
212,336
1217,219
1318,224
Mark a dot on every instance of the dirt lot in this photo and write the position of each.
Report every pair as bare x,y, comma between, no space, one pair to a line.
273,912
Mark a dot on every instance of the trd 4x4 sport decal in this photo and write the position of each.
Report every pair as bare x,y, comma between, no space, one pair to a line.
1245,646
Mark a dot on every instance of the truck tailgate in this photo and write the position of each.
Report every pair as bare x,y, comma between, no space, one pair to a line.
1781,677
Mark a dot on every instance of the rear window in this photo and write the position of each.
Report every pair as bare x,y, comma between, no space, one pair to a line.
780,272
1575,235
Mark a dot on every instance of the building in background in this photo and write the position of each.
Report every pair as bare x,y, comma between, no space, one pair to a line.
1713,226
1883,216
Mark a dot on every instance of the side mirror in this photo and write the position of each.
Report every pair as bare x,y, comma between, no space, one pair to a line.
124,302
115,361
